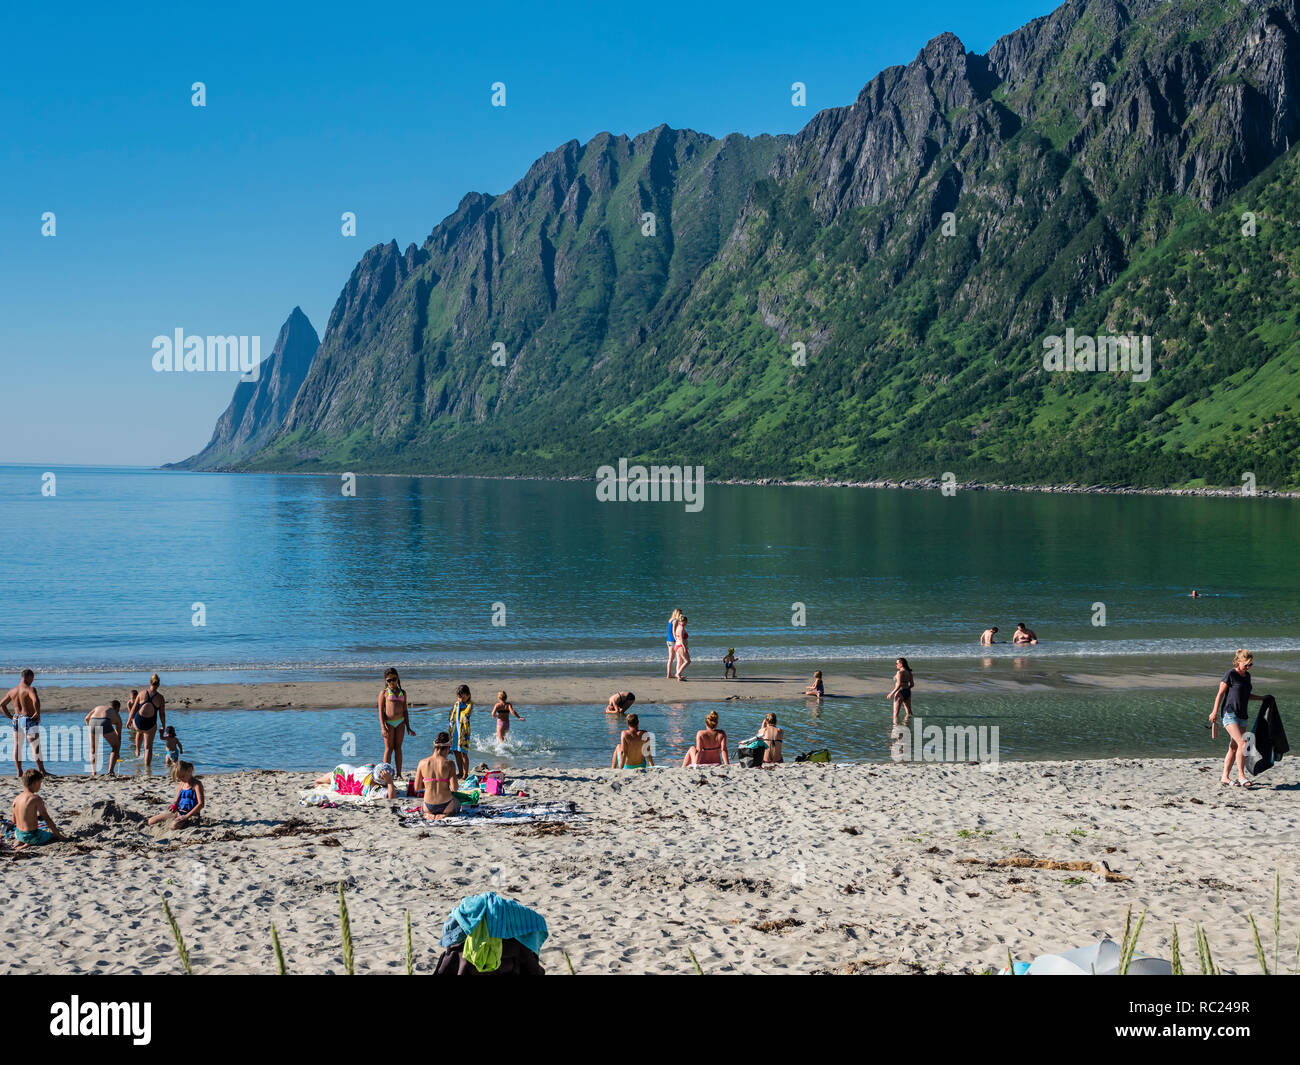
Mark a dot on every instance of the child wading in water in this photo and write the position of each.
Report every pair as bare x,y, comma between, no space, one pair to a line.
29,810
189,799
502,711
458,728
729,664
174,749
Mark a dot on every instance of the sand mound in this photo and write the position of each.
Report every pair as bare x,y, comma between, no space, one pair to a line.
106,815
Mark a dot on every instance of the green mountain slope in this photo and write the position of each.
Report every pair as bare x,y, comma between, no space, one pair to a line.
1090,173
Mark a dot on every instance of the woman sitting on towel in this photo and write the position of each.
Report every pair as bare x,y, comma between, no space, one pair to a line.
439,777
368,781
710,744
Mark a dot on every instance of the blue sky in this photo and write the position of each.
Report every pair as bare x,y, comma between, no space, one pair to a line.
219,220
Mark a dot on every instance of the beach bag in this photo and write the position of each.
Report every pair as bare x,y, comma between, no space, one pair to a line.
750,753
815,756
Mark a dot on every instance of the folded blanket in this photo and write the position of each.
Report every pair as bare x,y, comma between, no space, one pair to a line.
513,813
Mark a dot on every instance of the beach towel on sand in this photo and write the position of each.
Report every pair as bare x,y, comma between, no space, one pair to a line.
507,813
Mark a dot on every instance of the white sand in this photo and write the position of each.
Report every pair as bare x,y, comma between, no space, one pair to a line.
862,868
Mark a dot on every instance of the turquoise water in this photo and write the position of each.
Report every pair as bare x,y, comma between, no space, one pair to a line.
293,576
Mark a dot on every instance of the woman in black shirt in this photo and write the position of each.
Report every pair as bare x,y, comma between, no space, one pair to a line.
1233,698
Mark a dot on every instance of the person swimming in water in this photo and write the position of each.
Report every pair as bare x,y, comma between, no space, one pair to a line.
1023,634
987,636
633,750
501,712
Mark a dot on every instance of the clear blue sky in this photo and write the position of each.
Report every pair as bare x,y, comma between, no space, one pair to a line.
219,220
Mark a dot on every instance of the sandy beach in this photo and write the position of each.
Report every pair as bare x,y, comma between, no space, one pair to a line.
802,869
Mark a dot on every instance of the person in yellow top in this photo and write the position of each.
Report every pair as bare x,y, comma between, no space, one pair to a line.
458,728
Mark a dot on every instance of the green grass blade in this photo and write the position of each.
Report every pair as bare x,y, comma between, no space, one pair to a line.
180,942
1277,918
410,953
694,962
1130,946
279,954
569,962
1175,961
347,931
1259,947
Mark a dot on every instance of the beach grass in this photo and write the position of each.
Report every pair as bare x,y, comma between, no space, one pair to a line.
346,927
279,954
180,941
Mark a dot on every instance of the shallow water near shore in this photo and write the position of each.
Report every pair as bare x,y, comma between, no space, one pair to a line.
1030,726
107,576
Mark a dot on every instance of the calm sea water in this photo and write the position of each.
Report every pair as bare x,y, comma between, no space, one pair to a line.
105,575
103,580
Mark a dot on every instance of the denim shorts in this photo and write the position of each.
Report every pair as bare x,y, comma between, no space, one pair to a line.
1231,718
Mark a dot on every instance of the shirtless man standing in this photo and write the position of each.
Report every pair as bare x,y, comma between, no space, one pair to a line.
1023,635
26,718
986,637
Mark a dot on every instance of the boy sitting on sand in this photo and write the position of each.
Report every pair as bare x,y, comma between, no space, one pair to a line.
29,811
729,664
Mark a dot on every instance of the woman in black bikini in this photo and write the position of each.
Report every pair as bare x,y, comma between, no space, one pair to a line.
149,709
393,719
437,775
902,691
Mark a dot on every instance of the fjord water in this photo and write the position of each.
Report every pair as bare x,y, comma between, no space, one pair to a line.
103,580
104,576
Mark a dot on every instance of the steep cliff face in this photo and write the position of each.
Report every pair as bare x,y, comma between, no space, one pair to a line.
573,265
645,295
259,407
